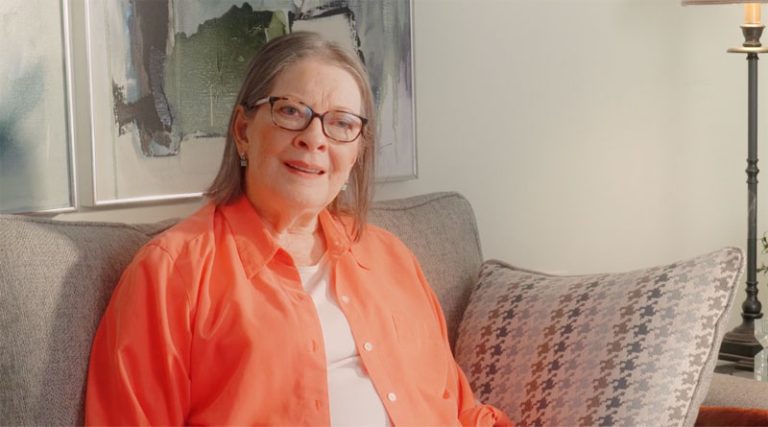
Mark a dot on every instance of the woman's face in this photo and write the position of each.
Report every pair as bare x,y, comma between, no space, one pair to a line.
299,170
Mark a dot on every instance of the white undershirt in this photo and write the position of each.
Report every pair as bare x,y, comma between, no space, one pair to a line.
352,398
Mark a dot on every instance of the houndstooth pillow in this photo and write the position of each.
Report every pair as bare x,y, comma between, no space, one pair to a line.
635,348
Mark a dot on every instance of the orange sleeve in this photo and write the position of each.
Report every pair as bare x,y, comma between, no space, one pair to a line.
471,412
139,366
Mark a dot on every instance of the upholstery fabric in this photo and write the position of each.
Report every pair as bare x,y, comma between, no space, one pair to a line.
713,416
729,390
55,280
635,348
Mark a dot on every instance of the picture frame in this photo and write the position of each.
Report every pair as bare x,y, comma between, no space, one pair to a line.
37,143
163,84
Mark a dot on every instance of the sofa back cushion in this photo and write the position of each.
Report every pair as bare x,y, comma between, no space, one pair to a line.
635,348
56,278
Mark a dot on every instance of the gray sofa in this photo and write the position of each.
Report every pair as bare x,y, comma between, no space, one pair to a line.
56,278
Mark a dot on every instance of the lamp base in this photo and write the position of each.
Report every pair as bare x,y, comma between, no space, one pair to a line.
752,33
748,50
741,346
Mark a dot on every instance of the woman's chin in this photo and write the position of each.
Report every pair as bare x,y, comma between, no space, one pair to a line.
288,194
308,197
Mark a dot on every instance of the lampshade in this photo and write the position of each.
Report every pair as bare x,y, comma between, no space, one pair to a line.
695,2
751,9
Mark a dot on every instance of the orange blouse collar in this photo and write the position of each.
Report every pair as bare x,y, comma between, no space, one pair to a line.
256,245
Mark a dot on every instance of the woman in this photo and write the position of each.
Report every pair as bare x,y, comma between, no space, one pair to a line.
276,303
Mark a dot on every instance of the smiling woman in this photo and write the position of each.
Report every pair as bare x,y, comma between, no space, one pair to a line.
276,303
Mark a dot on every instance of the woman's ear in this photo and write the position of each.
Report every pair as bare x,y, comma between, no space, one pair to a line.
240,130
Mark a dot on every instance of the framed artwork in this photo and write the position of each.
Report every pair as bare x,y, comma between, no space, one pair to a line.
165,73
36,135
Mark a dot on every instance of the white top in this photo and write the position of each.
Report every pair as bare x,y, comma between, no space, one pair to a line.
353,399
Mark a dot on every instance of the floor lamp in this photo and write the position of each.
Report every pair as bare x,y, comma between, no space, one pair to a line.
741,345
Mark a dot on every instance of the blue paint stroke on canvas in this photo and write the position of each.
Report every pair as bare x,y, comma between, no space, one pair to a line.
18,190
24,94
147,108
34,139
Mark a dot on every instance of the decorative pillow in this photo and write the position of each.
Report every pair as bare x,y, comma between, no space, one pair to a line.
635,348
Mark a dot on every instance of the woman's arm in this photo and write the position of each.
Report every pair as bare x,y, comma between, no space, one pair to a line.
471,412
139,366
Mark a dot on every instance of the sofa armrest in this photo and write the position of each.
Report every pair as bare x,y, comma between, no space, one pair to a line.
729,390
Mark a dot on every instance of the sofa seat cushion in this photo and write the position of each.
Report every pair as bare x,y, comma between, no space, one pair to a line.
734,391
634,348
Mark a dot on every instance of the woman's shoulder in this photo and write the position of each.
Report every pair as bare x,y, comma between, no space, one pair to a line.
372,234
381,235
380,241
190,231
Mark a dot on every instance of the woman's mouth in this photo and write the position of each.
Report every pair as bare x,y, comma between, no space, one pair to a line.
305,168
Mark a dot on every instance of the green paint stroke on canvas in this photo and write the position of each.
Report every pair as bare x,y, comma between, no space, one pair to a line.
205,69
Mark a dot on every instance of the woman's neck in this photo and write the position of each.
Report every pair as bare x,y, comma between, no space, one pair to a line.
298,232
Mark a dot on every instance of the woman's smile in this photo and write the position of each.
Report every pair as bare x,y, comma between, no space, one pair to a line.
303,168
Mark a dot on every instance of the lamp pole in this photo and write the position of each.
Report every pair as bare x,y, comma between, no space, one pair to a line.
740,345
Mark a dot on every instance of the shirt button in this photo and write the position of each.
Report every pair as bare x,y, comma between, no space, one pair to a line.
368,346
391,396
345,299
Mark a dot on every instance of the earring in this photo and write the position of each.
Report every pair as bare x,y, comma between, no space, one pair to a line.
344,186
243,161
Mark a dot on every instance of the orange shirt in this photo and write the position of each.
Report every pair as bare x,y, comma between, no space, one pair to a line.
210,325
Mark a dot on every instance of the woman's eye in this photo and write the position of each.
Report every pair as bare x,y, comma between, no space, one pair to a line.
343,123
289,110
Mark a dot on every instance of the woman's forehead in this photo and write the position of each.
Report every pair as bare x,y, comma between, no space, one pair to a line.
316,81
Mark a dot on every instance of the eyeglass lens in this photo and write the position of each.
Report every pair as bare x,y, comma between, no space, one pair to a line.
293,115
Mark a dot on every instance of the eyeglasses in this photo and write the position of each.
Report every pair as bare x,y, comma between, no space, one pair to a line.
289,114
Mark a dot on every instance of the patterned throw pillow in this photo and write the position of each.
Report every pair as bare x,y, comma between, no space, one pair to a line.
630,349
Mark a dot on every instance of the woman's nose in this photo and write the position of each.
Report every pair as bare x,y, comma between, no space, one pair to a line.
313,137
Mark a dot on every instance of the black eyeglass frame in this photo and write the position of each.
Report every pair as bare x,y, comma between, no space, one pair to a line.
272,99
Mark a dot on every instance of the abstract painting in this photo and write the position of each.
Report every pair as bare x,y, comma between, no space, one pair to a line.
36,163
165,74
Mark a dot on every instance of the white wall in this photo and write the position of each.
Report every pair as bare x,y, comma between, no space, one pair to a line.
589,135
